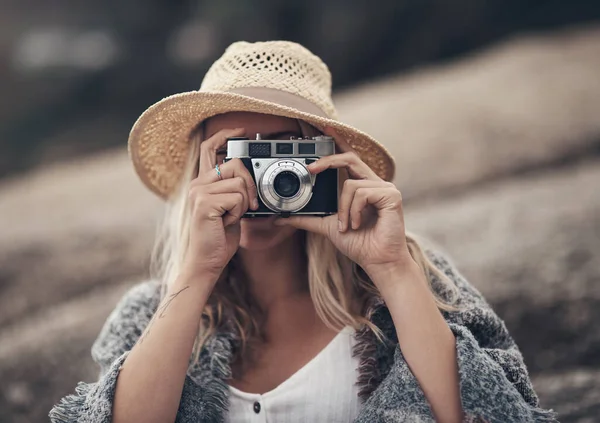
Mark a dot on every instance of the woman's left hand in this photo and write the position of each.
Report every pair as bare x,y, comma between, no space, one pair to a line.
369,225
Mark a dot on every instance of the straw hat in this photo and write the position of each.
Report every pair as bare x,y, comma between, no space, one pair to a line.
276,77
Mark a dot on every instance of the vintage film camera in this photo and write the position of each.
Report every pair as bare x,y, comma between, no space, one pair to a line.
284,184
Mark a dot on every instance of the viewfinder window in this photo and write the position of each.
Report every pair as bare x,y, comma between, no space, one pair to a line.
306,148
285,148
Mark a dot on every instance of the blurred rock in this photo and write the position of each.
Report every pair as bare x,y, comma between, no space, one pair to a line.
45,354
69,228
531,244
492,170
527,103
574,394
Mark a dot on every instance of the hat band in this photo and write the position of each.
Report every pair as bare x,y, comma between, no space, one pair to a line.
282,98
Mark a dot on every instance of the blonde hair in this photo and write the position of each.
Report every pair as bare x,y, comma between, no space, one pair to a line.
340,290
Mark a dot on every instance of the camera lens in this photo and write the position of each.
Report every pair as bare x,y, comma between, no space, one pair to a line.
286,184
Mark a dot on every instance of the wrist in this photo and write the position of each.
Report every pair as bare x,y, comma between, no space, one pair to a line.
198,280
194,270
394,273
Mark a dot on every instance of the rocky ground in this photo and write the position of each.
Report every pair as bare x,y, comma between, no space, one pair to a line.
498,163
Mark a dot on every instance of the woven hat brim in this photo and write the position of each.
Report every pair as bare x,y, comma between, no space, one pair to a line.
159,141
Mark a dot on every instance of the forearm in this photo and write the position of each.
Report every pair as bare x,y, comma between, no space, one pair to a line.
428,345
151,379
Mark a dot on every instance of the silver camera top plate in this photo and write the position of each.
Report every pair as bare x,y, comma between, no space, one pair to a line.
323,146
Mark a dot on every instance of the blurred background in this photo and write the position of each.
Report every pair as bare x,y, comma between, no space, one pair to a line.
492,110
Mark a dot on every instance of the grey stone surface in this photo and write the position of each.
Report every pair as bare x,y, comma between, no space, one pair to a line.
574,394
532,246
529,102
67,229
44,355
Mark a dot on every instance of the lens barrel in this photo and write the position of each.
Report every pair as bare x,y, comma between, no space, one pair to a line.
286,184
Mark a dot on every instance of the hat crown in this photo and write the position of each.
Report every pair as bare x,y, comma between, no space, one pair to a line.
279,65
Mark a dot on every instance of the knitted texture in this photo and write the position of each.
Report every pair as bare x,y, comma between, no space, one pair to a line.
494,384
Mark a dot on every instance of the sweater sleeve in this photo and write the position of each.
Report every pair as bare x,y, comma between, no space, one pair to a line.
494,383
92,402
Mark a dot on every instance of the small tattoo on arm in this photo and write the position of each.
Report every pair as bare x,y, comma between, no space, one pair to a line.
160,312
162,309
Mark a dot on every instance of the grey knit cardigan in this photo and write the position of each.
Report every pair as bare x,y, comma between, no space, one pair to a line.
494,383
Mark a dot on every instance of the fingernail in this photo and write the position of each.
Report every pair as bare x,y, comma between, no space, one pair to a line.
255,204
340,226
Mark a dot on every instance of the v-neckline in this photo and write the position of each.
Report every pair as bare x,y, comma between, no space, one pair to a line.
296,374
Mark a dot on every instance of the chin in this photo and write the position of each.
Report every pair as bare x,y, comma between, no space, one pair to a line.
261,234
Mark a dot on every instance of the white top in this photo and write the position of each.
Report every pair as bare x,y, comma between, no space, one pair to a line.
324,390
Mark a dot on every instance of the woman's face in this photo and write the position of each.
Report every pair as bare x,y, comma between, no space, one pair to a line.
257,233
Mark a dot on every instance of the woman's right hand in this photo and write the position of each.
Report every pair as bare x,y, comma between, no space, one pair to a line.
217,205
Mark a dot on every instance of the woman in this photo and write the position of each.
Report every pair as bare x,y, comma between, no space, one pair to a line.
339,318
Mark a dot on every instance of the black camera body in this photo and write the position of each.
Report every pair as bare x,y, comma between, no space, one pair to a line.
284,184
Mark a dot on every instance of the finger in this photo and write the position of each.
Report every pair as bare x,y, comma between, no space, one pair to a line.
231,218
320,225
233,169
380,198
228,206
359,203
209,147
347,196
357,169
231,185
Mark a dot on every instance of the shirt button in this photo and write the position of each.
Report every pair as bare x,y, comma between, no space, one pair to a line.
257,407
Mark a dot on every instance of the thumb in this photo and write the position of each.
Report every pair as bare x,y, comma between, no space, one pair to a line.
308,223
